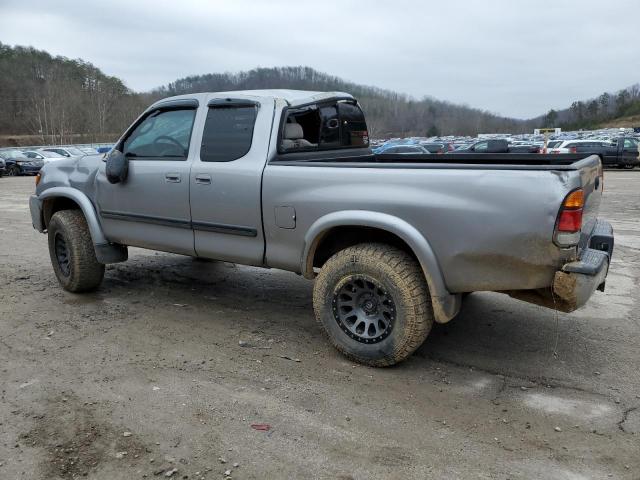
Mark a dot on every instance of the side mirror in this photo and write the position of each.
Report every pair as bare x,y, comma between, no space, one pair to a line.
117,167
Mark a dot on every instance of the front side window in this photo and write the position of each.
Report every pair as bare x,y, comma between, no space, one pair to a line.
481,147
228,132
162,134
630,143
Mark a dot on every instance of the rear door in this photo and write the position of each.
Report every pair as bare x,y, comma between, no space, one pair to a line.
151,208
630,152
226,179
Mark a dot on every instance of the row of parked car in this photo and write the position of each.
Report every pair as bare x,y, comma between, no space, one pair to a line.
29,161
620,152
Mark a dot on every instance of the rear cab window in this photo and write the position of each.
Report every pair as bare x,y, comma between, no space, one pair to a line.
324,126
228,131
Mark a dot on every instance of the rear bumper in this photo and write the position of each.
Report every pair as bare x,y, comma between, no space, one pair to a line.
577,281
29,169
574,284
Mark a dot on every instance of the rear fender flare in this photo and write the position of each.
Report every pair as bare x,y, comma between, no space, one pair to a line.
445,304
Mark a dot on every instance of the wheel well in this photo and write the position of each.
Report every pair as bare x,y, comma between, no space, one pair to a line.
339,238
53,205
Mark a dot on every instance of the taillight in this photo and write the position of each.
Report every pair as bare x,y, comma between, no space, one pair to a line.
38,178
573,150
569,220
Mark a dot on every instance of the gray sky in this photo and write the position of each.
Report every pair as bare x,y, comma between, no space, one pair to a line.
513,57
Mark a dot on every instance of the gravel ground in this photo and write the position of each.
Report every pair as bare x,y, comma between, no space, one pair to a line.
164,370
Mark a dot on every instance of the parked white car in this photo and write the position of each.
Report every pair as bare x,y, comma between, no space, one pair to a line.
68,152
570,146
44,155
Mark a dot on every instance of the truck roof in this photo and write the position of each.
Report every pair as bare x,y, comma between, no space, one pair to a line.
292,97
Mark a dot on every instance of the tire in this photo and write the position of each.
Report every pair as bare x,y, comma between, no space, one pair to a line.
13,171
72,253
389,287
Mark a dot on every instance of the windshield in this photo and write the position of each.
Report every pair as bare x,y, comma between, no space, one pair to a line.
12,154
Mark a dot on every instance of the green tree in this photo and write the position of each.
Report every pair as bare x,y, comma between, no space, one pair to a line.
433,131
551,118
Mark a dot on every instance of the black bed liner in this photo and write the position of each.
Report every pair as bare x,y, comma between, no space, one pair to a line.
365,158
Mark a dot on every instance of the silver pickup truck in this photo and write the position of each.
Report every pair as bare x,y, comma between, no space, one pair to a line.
285,179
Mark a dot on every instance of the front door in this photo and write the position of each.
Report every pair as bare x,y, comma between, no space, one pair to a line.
150,209
226,179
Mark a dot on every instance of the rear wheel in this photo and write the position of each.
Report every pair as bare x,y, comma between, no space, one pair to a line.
72,253
373,303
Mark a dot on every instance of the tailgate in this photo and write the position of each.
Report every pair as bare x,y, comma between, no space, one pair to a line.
591,178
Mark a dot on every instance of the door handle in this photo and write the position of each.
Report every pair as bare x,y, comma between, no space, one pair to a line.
172,177
202,179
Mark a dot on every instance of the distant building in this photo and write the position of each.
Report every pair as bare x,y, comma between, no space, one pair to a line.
542,131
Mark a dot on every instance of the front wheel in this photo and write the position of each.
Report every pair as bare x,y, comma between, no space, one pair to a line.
373,302
13,171
72,253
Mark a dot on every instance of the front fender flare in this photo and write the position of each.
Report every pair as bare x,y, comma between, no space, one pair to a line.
97,235
106,252
445,305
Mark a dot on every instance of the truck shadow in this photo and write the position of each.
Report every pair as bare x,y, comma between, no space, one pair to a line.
493,332
503,336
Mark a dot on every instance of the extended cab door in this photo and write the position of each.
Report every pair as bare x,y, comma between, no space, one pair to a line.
226,179
150,209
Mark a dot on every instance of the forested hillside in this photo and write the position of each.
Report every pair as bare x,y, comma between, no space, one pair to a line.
388,113
59,100
56,100
606,109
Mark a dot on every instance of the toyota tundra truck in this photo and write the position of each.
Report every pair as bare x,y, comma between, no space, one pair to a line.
285,179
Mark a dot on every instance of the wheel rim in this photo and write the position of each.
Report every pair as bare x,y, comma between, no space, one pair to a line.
62,254
363,309
13,171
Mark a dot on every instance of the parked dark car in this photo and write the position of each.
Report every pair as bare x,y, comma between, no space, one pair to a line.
17,163
2,167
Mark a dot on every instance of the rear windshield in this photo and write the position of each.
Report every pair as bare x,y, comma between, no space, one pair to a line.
324,126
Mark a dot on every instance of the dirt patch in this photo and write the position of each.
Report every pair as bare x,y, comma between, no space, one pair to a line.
76,443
